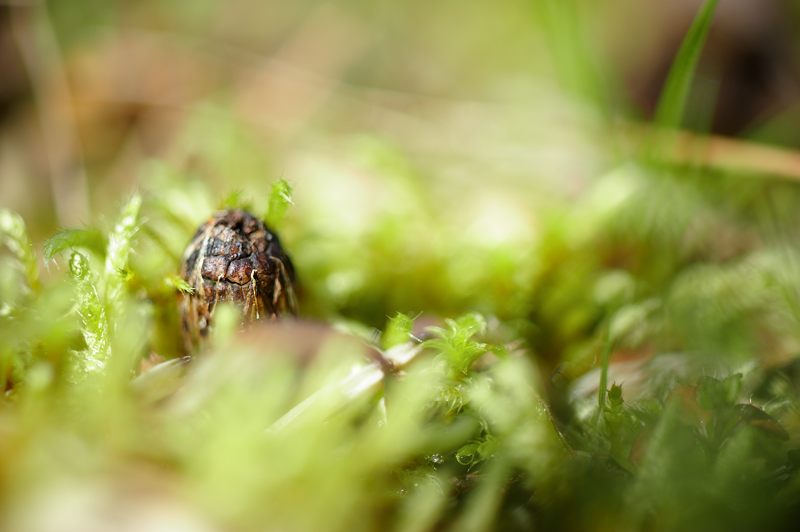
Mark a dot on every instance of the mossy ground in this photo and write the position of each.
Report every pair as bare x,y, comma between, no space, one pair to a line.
608,335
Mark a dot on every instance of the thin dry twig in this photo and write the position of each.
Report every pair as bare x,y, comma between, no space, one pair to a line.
716,152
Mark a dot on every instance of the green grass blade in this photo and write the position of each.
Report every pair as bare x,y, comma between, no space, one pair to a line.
566,37
605,355
672,103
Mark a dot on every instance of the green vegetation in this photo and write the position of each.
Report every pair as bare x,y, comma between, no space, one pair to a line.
618,352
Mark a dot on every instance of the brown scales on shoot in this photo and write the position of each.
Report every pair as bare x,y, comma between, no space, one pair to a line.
234,257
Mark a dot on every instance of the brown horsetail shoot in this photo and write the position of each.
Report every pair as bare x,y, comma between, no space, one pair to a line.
234,257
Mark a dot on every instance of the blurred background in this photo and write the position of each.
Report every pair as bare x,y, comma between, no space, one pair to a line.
444,158
484,93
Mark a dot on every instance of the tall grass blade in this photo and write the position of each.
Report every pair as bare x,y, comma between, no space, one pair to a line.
604,361
672,103
561,24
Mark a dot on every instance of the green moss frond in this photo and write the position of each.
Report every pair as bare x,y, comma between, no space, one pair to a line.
95,326
14,237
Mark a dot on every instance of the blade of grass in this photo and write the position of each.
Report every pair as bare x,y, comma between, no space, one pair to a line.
604,357
672,103
565,34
